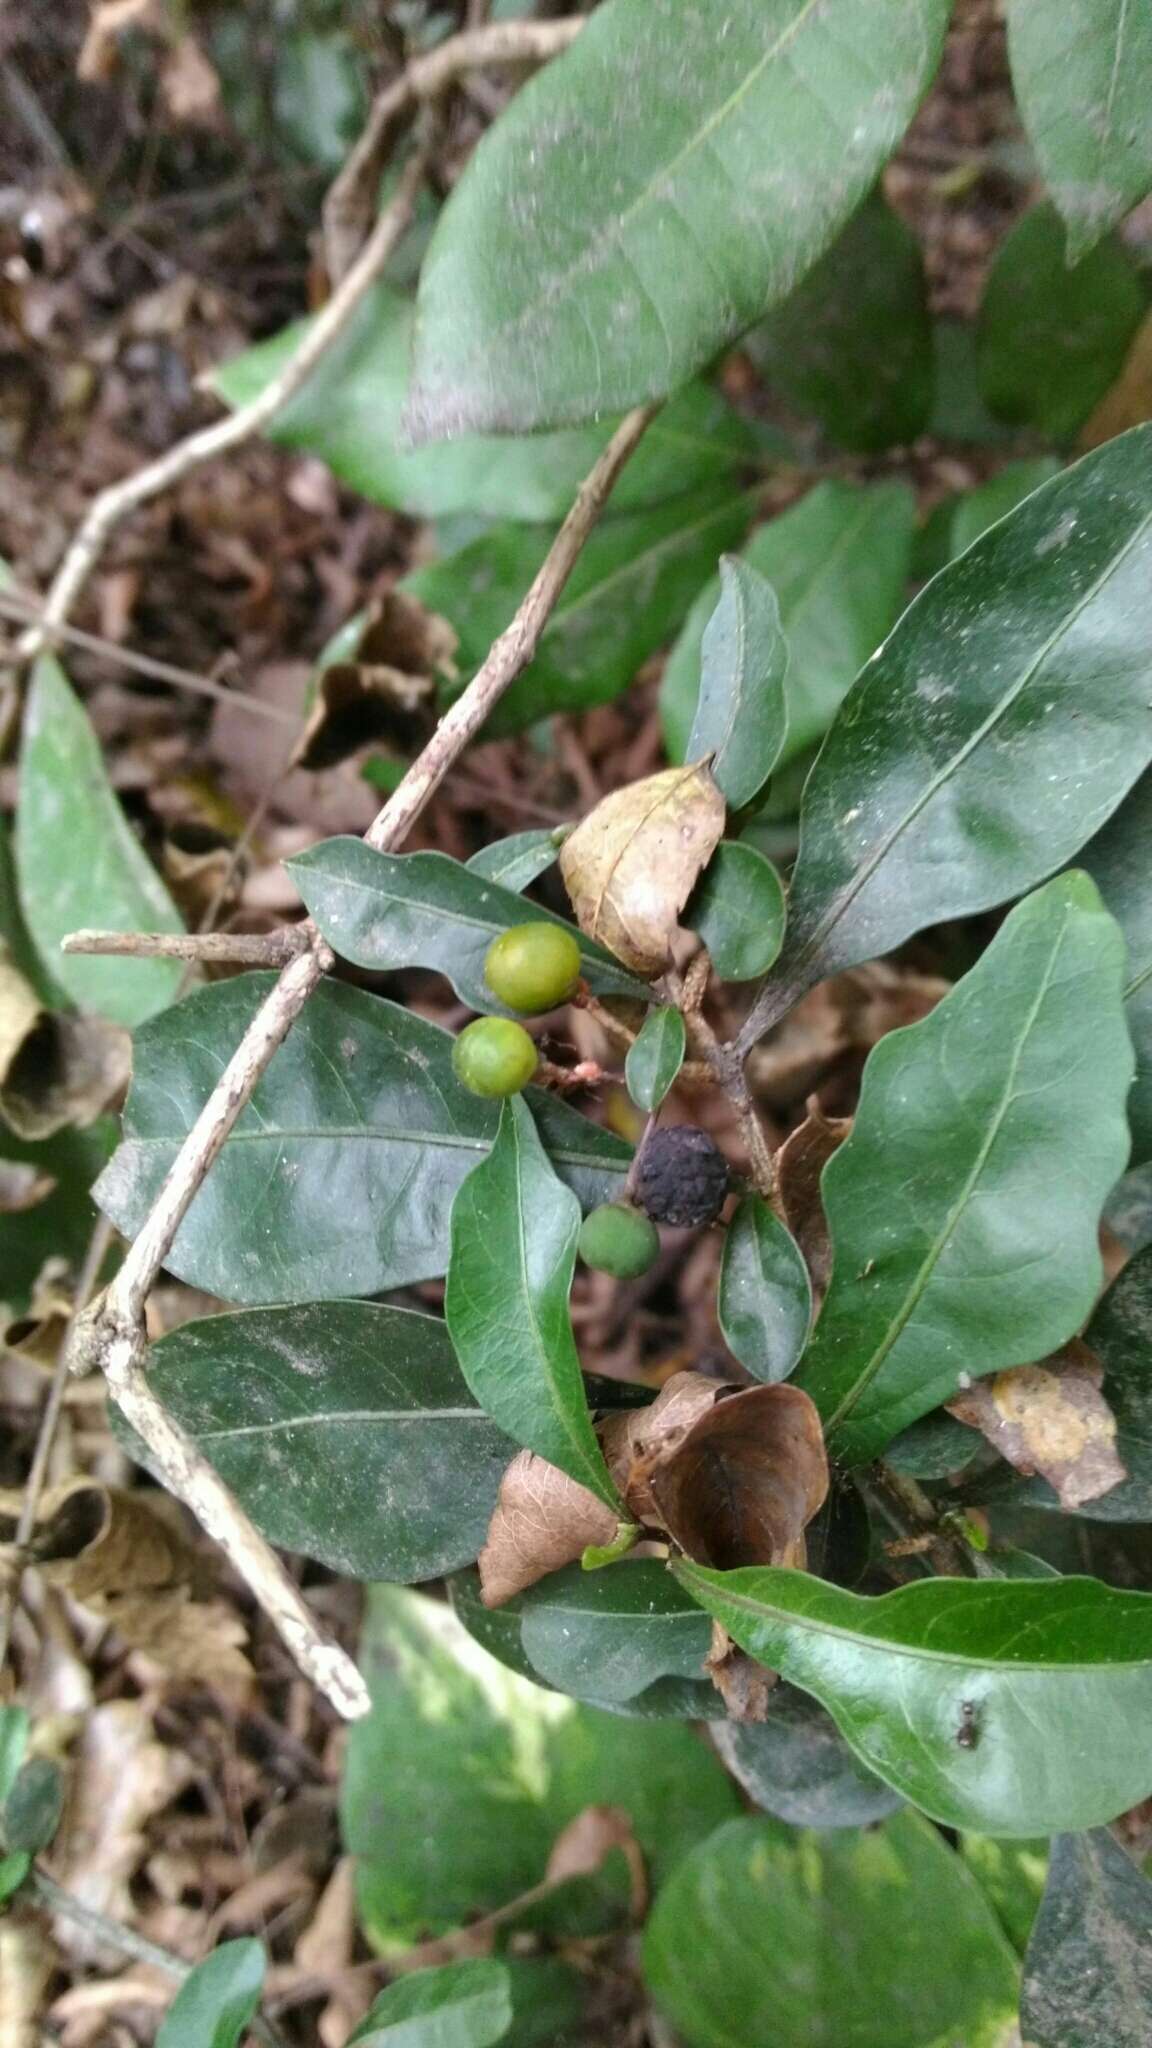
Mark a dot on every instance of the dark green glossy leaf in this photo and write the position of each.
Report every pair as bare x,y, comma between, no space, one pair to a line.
1120,1333
653,239
610,1634
853,344
460,1779
1011,1875
877,1939
838,562
548,2002
962,1240
982,1702
765,1297
517,861
460,2005
738,909
514,1232
797,1766
1118,861
215,2003
344,1429
1128,1210
741,720
656,1058
1081,71
980,508
932,1448
79,862
13,1871
1088,1970
339,1176
32,1809
386,910
629,592
349,414
999,727
1053,339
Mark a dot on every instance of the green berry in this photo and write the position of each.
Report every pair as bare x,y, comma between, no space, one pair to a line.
494,1056
533,967
617,1239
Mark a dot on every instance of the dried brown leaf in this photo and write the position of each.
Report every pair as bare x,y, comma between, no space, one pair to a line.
189,84
1050,1418
122,1777
584,1846
637,1441
22,1187
27,1963
744,1686
746,1481
67,1072
20,1011
542,1520
799,1164
849,1014
111,19
630,867
384,690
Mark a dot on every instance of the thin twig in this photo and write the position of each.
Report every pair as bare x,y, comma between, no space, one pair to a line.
113,506
113,1335
237,949
28,611
351,200
727,1070
916,1516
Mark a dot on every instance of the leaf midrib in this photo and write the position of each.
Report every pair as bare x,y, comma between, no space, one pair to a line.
325,1420
381,1134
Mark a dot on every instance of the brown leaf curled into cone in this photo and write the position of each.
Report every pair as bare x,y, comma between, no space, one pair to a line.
799,1164
638,1441
630,867
746,1481
542,1521
383,689
1050,1418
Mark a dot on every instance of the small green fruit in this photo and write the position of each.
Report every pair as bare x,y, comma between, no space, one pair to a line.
533,967
617,1239
494,1056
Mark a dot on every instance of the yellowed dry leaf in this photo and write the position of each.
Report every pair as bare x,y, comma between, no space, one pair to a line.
631,865
542,1520
1050,1418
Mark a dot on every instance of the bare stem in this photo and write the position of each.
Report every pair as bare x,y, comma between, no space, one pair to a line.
351,201
238,949
727,1070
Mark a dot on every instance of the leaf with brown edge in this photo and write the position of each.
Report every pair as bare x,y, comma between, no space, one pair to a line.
746,1481
800,1162
631,865
542,1520
1050,1418
379,683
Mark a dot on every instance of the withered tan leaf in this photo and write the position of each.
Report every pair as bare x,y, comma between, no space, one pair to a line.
799,1164
1050,1418
744,1686
584,1846
22,1186
631,865
638,1440
122,1776
542,1520
28,1961
67,1071
746,1481
383,689
20,1011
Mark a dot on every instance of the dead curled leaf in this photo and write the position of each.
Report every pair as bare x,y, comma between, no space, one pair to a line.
55,1070
542,1520
383,688
631,865
1050,1418
123,1558
744,1686
584,1846
800,1163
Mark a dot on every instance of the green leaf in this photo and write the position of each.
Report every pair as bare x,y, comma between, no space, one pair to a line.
217,2000
14,1728
32,1809
13,1871
654,238
765,1297
877,1939
741,717
656,1058
838,562
798,1767
519,860
79,862
998,728
964,1229
738,909
461,2005
281,1399
514,1232
548,2003
1088,1970
1081,71
385,910
989,502
1011,1875
338,1178
1117,860
1029,1671
854,343
459,1780
1120,1334
1052,340
349,414
607,1636
627,595
932,1448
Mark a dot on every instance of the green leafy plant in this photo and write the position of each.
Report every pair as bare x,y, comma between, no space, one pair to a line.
876,1525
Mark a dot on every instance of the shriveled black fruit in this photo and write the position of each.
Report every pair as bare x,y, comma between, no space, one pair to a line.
683,1177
